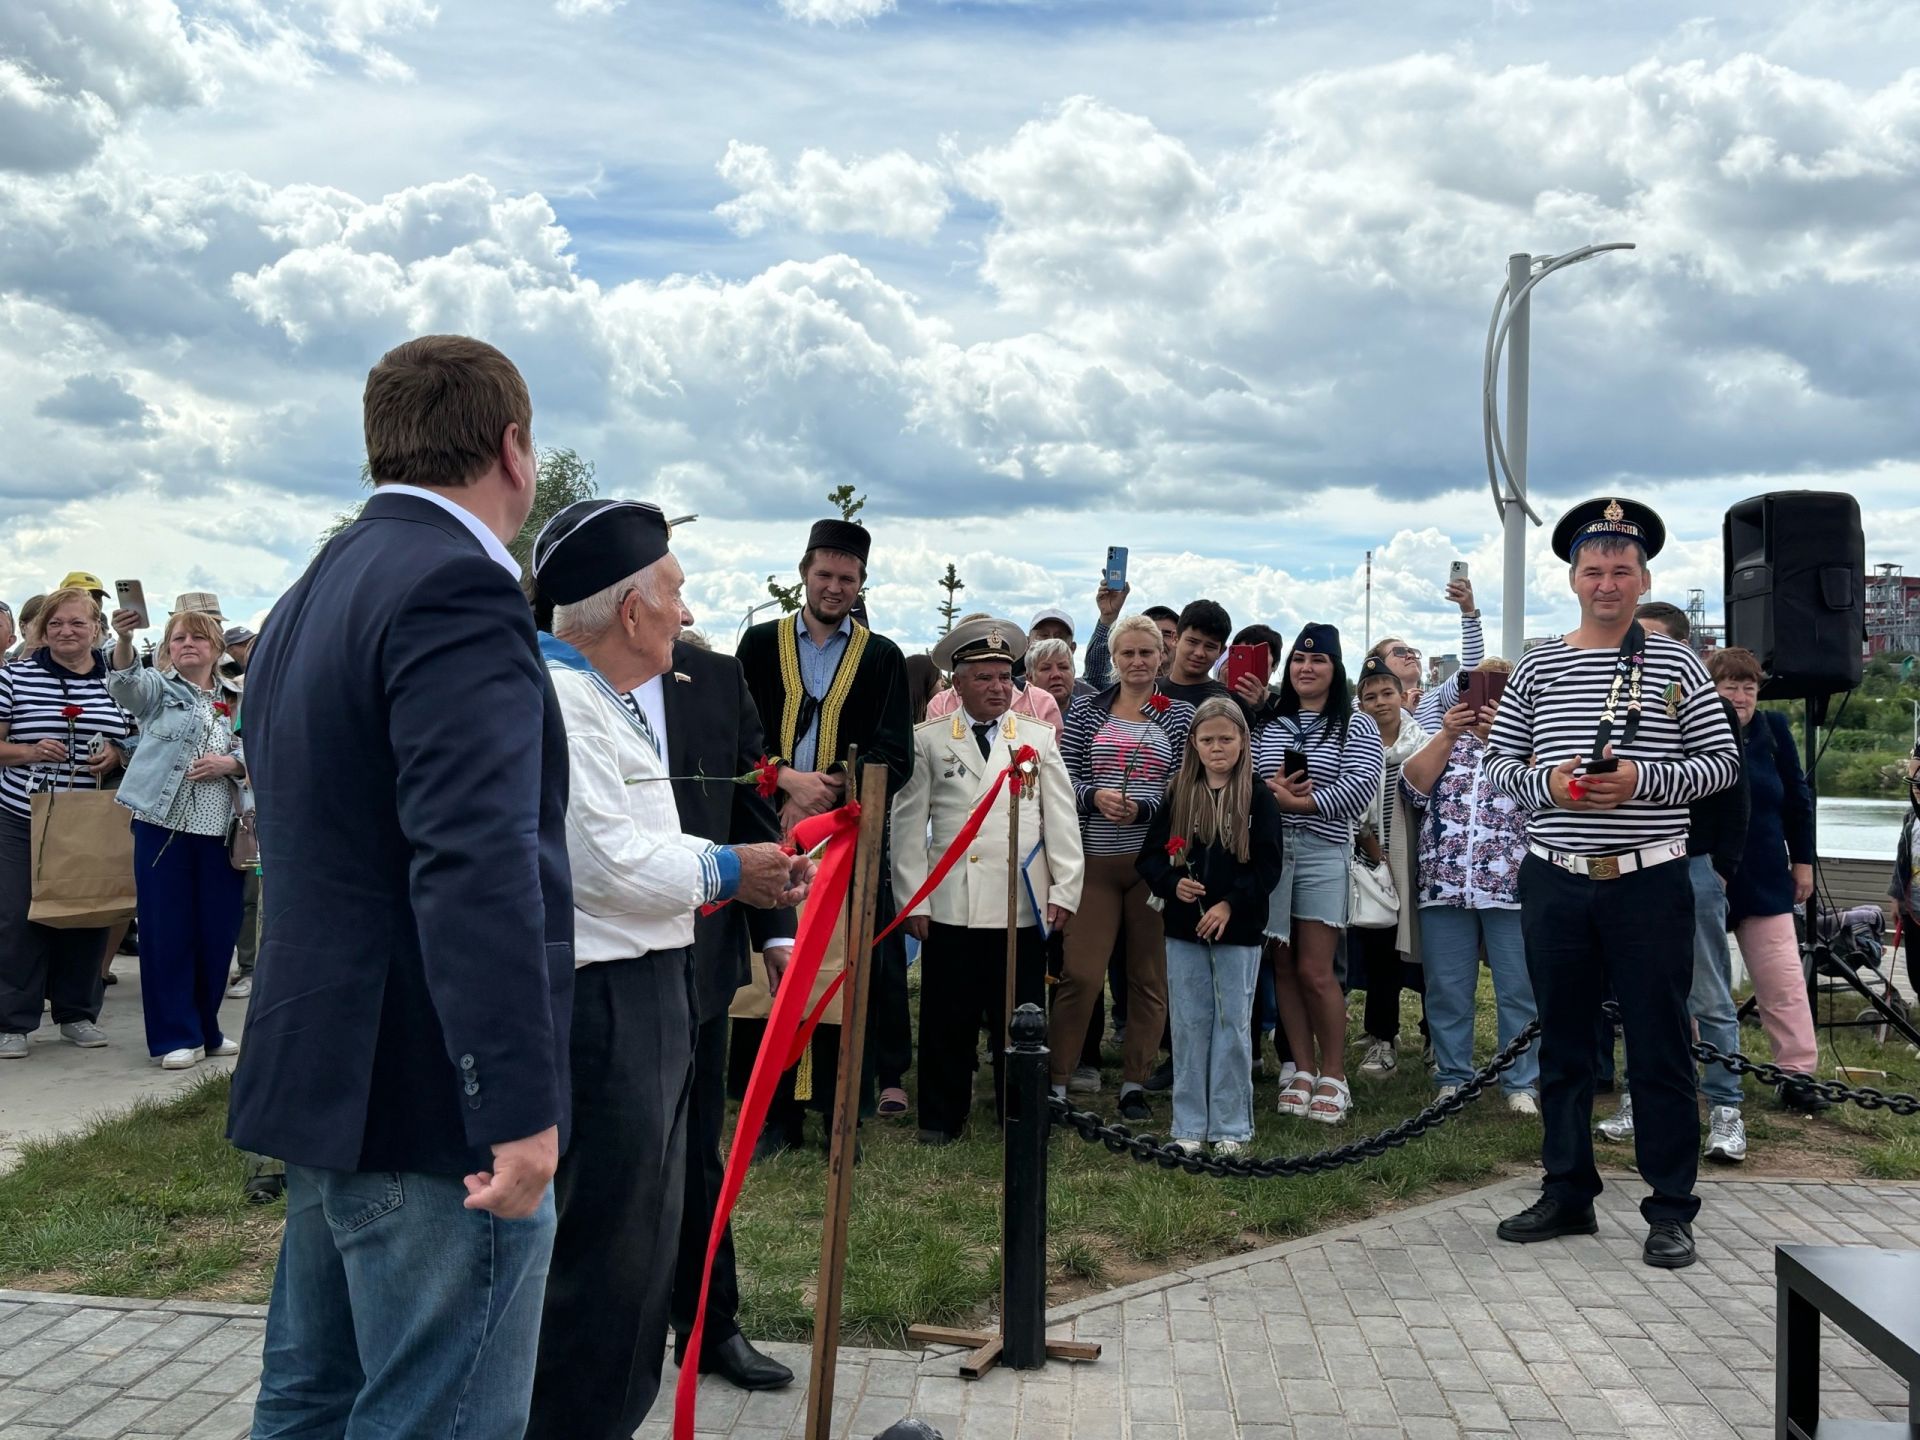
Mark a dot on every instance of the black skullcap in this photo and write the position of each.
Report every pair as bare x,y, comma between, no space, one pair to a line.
1317,639
596,543
842,535
1606,519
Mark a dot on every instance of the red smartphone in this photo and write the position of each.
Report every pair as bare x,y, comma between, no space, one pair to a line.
1481,688
1254,660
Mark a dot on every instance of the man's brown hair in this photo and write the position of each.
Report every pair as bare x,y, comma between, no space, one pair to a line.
436,408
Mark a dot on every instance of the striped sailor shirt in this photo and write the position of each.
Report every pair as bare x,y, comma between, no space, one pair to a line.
1684,749
1345,774
1136,756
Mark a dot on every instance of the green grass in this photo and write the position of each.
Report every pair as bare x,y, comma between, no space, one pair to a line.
149,1203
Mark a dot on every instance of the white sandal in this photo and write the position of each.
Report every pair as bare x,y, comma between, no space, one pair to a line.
1294,1102
1330,1109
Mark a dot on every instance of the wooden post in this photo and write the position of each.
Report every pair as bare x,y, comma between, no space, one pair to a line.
872,787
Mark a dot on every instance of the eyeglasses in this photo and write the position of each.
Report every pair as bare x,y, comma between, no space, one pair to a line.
1401,652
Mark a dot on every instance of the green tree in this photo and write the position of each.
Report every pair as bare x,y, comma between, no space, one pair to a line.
564,478
847,503
950,607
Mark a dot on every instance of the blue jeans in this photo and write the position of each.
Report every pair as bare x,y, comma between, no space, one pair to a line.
398,1312
1710,1000
1210,994
1450,940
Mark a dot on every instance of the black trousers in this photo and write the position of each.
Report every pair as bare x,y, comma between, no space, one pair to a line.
963,990
37,962
889,1019
1637,932
705,1170
617,1196
1384,975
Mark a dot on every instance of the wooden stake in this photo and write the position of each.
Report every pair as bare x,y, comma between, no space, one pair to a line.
846,1100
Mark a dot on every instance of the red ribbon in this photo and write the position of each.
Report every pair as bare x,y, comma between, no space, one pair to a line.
1025,755
821,915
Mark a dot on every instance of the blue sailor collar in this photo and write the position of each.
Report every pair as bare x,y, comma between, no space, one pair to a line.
559,655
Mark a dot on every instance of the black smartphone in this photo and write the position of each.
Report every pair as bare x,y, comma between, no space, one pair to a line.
1601,767
1294,766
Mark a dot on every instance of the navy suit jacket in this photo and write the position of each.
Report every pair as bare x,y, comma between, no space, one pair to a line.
414,990
713,728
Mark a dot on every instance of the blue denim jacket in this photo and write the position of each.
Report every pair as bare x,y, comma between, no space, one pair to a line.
169,739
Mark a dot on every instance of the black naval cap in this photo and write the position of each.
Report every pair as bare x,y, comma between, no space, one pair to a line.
1608,519
596,543
841,535
1318,639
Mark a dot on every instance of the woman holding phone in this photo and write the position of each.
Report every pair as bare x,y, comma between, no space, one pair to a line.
1322,760
180,788
1471,841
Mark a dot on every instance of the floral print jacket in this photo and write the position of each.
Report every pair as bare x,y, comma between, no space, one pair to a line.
1472,837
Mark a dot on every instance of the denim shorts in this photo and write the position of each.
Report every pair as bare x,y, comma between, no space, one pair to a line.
1313,885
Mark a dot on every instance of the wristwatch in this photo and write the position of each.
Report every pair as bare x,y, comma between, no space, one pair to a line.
1473,614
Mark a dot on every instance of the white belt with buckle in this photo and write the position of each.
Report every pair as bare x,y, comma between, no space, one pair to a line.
1612,867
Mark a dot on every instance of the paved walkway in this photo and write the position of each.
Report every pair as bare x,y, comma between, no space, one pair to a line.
1423,1326
59,1087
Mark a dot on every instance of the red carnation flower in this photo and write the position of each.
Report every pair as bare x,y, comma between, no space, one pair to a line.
222,708
72,712
1158,703
766,777
1177,849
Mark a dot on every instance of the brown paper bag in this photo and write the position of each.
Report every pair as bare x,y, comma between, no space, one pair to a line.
81,860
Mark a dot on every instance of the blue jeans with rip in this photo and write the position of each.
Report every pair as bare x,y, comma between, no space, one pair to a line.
1210,995
1710,1000
398,1312
1450,941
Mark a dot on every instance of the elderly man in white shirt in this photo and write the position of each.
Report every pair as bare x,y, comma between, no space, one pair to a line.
603,570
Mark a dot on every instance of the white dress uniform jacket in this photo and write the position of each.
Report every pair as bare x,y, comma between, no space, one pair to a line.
949,779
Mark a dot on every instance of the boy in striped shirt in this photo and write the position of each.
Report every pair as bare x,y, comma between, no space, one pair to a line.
1607,736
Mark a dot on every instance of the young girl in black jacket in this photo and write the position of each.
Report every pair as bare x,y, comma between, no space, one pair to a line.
1213,854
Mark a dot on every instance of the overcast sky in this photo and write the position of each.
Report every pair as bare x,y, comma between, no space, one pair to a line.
1209,280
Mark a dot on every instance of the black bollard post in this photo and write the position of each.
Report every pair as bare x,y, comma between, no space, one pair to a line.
1023,1256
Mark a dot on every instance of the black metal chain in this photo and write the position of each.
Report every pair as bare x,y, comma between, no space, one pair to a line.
1121,1140
1147,1148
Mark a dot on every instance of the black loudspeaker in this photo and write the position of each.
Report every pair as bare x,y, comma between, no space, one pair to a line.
1796,564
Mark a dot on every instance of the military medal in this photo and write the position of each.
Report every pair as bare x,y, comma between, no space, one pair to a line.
1672,697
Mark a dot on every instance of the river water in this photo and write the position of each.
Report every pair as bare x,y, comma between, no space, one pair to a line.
1860,829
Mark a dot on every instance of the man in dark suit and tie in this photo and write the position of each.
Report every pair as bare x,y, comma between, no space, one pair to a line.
407,1042
713,728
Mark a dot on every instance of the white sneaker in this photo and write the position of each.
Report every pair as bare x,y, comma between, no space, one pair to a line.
1186,1147
1381,1059
13,1046
227,1046
1227,1149
1084,1081
1445,1092
182,1059
1521,1102
84,1033
240,988
1726,1135
1619,1125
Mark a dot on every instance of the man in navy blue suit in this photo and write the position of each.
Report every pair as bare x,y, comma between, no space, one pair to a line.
407,1042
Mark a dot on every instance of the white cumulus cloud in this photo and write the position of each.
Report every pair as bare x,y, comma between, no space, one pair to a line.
891,194
836,12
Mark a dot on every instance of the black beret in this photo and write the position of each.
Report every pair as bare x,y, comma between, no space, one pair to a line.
1317,639
1605,519
842,535
596,543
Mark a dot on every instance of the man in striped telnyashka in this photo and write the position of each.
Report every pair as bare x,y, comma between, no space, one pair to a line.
1607,735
